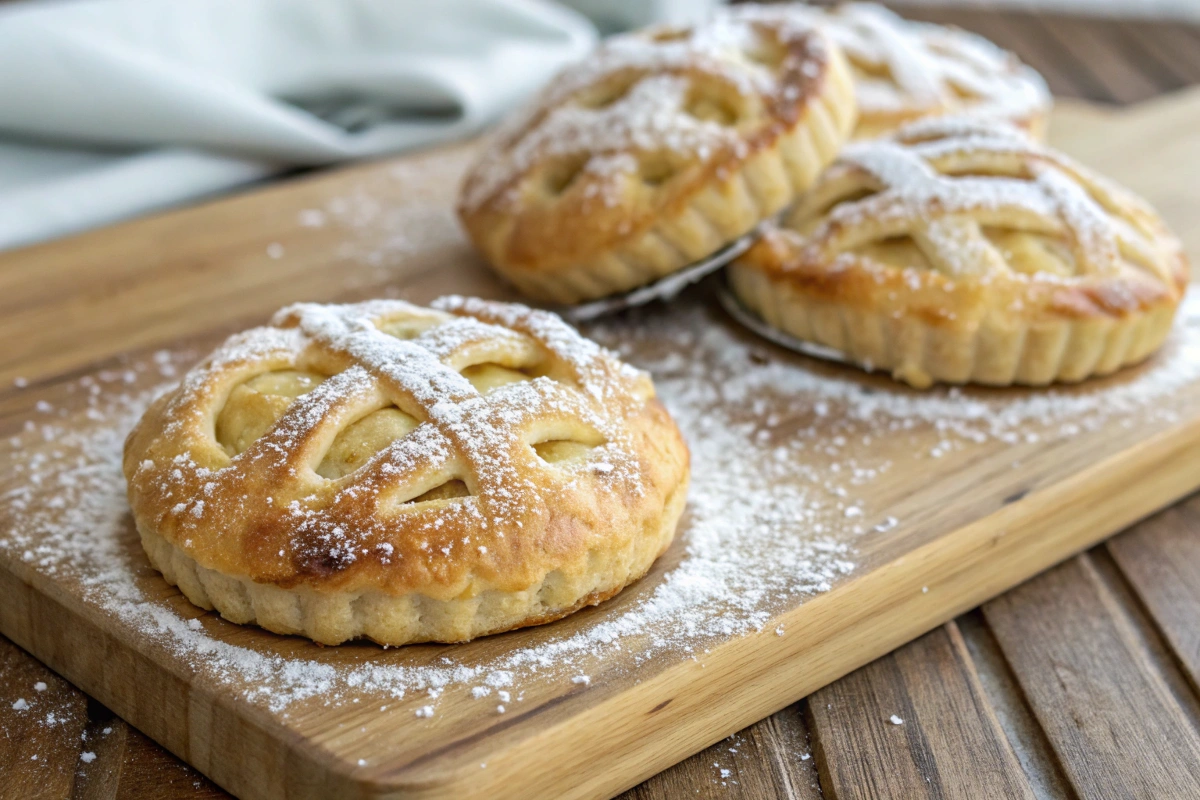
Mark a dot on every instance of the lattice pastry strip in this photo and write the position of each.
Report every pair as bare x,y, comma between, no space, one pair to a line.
907,70
657,151
959,249
459,471
956,246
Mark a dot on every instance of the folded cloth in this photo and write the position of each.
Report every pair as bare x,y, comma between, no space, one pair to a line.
619,15
111,108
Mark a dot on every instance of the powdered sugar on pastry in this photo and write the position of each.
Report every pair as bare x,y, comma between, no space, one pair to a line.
775,478
657,151
406,474
938,168
632,97
905,69
961,250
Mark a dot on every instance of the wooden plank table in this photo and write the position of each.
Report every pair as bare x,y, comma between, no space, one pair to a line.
1082,682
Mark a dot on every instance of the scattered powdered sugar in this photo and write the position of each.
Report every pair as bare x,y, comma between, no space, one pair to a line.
390,214
52,713
776,510
972,415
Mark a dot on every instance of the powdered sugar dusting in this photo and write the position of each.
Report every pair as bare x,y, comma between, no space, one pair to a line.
906,66
399,212
388,353
783,472
924,178
632,98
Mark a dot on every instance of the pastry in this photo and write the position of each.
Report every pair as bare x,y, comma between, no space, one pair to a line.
906,70
960,250
406,474
657,151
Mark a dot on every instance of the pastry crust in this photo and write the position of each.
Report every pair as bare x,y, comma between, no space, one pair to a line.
406,474
661,148
906,70
960,250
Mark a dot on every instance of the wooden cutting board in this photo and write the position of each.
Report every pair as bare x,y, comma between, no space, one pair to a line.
833,517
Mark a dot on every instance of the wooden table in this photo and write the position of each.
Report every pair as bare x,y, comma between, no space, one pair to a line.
1083,682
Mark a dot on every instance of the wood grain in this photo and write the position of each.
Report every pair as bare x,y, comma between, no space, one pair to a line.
129,766
947,741
1161,560
1172,45
771,758
972,525
1108,712
863,617
85,752
159,270
1163,584
42,734
1102,69
1012,711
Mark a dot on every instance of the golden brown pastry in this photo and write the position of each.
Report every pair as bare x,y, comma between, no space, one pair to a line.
960,250
905,70
655,152
406,474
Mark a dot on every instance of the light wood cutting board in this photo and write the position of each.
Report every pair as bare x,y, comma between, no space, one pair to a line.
954,497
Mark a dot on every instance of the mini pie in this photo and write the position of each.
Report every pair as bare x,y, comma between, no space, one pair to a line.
657,151
960,250
906,70
406,474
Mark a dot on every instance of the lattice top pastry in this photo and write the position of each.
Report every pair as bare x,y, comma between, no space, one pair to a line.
904,70
960,249
656,151
406,474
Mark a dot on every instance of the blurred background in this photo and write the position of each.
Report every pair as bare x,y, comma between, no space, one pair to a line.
111,109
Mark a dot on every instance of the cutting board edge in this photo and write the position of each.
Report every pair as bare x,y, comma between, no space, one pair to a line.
37,598
1155,473
1013,528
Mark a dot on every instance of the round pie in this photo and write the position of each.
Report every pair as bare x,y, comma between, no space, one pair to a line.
960,250
906,70
657,151
406,474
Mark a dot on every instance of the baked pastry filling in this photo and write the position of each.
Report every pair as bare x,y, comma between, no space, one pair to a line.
406,474
961,250
657,151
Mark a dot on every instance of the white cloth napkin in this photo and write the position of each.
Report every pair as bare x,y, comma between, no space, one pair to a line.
111,108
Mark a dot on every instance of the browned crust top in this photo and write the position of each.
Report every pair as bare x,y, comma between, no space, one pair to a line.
637,131
266,516
938,185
